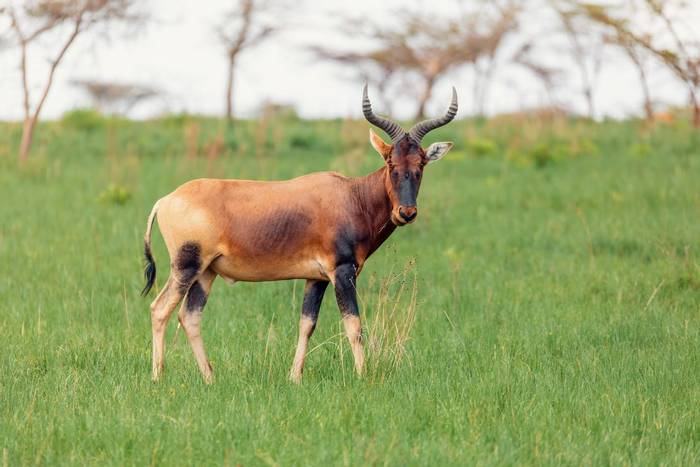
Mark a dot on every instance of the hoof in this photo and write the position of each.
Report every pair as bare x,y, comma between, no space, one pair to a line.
295,377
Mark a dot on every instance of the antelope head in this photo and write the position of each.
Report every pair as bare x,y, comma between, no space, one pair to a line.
405,157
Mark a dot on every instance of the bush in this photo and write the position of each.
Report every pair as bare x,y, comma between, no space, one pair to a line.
641,150
306,138
176,120
83,119
302,138
231,141
115,194
481,147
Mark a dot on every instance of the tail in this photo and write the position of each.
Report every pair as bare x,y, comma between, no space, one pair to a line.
150,271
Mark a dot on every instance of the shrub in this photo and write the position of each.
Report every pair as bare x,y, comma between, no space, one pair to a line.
640,150
542,155
115,194
302,138
176,120
83,119
481,147
306,138
231,141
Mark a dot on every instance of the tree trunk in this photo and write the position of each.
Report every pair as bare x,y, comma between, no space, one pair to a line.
229,88
588,92
476,90
30,120
425,97
384,100
27,136
484,86
694,104
648,105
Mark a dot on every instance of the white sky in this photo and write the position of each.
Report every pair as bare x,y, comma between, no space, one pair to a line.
178,53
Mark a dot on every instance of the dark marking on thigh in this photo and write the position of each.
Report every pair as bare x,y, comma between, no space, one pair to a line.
187,264
196,298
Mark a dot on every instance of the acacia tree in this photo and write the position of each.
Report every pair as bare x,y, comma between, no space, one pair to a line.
619,33
489,31
417,48
548,76
585,48
115,98
377,68
67,18
681,54
660,36
245,26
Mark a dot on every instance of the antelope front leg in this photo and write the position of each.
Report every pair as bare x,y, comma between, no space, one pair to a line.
346,295
313,296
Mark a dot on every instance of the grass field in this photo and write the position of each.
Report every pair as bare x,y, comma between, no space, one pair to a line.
543,309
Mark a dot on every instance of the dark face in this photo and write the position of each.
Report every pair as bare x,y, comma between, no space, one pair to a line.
405,163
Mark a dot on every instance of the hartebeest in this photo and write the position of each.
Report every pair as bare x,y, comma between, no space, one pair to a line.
321,227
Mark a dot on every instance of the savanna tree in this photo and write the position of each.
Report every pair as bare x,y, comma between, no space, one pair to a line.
548,76
585,47
661,29
245,25
676,45
115,98
65,20
619,32
377,67
416,49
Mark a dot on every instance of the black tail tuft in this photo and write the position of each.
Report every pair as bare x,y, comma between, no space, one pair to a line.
150,271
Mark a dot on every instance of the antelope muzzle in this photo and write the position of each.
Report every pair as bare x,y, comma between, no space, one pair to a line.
404,215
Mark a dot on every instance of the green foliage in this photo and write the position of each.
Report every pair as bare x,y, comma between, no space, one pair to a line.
83,120
231,141
302,138
481,147
176,120
641,149
541,155
533,315
115,194
305,137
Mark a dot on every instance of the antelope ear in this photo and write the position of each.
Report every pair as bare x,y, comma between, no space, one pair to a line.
379,145
436,151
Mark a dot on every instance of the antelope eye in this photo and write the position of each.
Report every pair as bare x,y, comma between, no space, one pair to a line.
395,173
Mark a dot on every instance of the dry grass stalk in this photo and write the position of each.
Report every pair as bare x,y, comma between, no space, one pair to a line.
389,320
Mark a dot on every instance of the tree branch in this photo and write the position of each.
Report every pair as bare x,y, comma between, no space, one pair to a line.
23,62
57,60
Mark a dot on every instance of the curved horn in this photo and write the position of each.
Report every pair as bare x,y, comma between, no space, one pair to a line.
421,129
393,129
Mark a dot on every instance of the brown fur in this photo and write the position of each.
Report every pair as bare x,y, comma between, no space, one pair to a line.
261,231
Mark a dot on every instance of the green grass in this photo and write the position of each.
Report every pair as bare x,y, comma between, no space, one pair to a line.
557,314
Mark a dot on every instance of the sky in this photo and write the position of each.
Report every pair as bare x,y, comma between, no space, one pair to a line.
178,52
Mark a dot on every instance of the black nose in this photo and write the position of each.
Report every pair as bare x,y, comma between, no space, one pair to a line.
408,213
